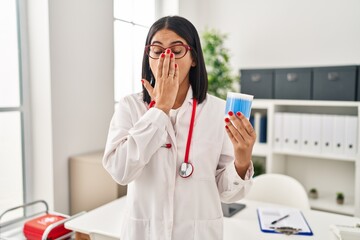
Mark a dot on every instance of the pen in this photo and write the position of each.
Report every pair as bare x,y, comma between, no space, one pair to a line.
278,220
167,145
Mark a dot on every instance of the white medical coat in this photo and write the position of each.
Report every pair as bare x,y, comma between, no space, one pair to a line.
161,205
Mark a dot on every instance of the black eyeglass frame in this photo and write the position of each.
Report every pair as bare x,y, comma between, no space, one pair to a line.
147,49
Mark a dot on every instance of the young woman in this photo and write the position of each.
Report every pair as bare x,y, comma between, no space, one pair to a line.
172,145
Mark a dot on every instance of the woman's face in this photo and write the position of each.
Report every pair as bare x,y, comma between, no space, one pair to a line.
166,39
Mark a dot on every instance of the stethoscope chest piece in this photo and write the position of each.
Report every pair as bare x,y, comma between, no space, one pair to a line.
186,169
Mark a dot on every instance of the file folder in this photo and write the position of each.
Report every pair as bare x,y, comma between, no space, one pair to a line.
259,122
257,118
327,133
286,144
291,131
294,219
295,131
305,140
251,120
278,130
315,126
263,129
351,141
339,134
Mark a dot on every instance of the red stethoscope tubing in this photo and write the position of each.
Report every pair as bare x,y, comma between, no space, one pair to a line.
187,151
191,128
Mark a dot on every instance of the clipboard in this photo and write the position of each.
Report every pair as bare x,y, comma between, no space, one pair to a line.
282,218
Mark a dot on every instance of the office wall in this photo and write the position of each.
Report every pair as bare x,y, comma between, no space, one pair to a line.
40,182
166,7
282,33
71,65
81,56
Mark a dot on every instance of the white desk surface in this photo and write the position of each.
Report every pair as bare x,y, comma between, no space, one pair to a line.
107,219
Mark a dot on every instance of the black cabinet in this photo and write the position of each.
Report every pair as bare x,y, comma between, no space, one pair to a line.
335,83
338,83
293,83
257,82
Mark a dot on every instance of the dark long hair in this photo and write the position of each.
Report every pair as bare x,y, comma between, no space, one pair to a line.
185,29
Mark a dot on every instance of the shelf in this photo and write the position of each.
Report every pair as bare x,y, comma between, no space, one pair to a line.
324,170
261,149
260,104
337,157
328,203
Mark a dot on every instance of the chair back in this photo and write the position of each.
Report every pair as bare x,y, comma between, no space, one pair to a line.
279,189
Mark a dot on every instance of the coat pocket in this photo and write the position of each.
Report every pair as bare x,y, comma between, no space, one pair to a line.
209,229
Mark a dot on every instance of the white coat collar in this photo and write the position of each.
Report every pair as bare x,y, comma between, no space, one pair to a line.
189,96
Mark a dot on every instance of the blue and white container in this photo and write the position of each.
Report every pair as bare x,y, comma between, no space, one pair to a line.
239,102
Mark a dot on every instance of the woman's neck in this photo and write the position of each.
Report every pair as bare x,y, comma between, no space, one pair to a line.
180,98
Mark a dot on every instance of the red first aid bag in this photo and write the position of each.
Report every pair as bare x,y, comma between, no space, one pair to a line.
34,228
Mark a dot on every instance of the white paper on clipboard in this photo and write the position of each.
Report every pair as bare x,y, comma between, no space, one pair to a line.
295,219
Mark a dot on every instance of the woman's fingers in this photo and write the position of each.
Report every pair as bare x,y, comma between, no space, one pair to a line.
231,136
159,73
176,72
148,88
245,126
240,128
166,67
234,133
171,67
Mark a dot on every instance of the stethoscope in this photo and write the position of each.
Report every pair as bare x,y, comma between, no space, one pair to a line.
186,168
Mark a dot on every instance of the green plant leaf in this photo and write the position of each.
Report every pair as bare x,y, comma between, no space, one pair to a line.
217,61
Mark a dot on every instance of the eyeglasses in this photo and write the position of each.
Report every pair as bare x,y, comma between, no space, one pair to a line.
155,51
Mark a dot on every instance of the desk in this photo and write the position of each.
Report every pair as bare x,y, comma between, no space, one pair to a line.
107,219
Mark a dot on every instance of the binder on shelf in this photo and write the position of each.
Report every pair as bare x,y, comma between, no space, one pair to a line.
259,123
291,131
278,130
315,128
295,131
305,138
263,129
339,134
327,124
257,117
251,119
351,129
286,144
272,220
